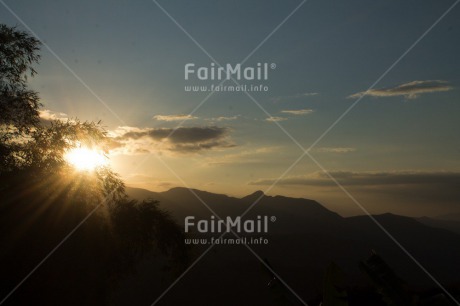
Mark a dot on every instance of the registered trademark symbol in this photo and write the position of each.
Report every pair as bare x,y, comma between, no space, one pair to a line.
273,218
273,66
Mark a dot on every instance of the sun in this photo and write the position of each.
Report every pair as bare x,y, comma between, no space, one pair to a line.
85,159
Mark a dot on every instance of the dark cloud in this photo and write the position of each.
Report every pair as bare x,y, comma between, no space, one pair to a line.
369,179
191,134
409,90
410,193
183,139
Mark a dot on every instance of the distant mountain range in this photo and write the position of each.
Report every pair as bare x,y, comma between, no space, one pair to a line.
448,224
303,240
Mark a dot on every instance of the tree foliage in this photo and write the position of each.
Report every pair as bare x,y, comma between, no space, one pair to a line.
18,105
18,52
29,144
42,199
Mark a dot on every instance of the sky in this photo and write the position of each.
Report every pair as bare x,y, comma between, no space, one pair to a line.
393,148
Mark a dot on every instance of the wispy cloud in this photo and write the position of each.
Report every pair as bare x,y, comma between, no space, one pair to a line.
307,94
275,119
295,112
133,140
173,117
347,178
298,112
406,192
224,118
335,150
409,90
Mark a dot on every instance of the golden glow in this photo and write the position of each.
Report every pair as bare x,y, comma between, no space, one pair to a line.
85,159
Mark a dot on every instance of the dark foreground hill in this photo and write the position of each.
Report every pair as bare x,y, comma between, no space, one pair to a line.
305,238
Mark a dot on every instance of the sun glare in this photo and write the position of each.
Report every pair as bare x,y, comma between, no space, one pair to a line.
85,159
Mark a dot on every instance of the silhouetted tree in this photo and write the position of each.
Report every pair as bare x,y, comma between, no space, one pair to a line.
18,105
42,199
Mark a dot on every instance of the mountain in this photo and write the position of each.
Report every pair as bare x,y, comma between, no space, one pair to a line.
182,202
449,217
303,240
448,224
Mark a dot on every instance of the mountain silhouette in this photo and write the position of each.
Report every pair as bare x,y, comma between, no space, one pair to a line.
451,225
305,238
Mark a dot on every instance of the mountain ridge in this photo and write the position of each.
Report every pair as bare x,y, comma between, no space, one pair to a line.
306,237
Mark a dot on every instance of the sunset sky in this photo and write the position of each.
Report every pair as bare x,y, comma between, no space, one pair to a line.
397,150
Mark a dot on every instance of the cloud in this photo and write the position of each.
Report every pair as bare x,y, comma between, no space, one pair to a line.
346,178
275,119
307,94
133,140
298,111
414,193
409,90
335,150
223,118
47,115
294,97
174,117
